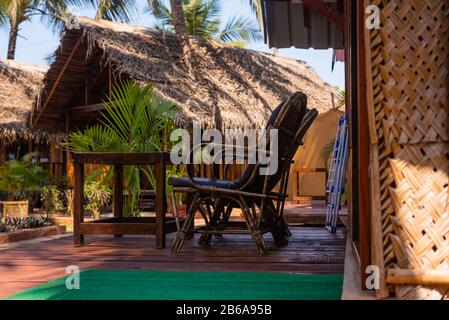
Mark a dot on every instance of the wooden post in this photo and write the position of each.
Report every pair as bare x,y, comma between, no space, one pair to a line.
161,203
363,147
69,167
78,199
30,145
118,192
2,151
377,253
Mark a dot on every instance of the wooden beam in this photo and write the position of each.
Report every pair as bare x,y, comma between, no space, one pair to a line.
418,277
87,108
327,11
58,79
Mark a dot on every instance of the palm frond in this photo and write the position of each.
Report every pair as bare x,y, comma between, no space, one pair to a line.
162,14
3,11
53,13
257,9
115,10
341,99
239,29
203,19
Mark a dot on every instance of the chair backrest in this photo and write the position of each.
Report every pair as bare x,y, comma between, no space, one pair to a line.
292,120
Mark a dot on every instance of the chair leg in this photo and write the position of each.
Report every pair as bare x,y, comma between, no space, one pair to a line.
251,224
182,234
280,231
206,238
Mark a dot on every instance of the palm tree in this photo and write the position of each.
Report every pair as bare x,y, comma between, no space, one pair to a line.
55,12
52,12
202,18
180,27
3,14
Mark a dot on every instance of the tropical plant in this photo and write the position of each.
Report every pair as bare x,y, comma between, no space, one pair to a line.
3,13
135,119
55,13
114,10
50,197
257,9
179,25
9,224
98,195
202,18
20,178
341,99
52,12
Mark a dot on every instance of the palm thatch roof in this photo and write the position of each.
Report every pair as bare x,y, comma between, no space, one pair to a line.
20,85
244,85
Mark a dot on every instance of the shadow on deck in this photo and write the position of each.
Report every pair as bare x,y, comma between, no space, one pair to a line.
311,250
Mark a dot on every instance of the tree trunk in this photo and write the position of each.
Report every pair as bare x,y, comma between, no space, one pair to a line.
12,42
181,30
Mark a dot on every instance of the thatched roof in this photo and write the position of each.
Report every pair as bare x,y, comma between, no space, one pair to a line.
245,85
19,85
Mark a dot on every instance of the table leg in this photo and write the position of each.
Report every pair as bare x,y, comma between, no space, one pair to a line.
161,205
190,234
78,199
118,193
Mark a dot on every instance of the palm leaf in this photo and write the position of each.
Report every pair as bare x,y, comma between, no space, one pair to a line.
202,19
239,29
161,12
115,10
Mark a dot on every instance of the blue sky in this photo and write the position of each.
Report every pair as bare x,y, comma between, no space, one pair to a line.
37,41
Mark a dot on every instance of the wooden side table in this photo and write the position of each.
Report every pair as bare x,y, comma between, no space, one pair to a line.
119,225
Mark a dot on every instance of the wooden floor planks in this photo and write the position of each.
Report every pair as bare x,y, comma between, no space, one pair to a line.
311,250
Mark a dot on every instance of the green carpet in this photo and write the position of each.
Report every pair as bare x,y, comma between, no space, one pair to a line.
174,285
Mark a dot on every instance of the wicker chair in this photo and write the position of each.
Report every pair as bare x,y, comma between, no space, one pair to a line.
262,207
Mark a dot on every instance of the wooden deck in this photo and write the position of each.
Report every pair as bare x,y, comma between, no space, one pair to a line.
30,263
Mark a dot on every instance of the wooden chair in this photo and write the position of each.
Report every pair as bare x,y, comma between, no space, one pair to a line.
253,193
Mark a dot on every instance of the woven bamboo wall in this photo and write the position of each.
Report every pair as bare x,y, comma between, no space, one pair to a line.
409,79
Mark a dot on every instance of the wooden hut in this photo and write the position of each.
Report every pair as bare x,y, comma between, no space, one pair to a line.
20,85
244,85
397,83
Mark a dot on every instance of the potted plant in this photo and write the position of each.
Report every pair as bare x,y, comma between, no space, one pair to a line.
19,179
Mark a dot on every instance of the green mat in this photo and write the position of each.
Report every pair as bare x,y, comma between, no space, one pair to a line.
174,285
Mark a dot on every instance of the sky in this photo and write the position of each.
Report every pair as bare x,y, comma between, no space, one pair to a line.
37,41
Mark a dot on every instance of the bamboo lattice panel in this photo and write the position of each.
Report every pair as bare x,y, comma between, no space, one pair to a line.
409,70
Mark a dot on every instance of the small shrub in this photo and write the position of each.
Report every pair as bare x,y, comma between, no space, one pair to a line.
50,197
20,178
98,195
9,224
